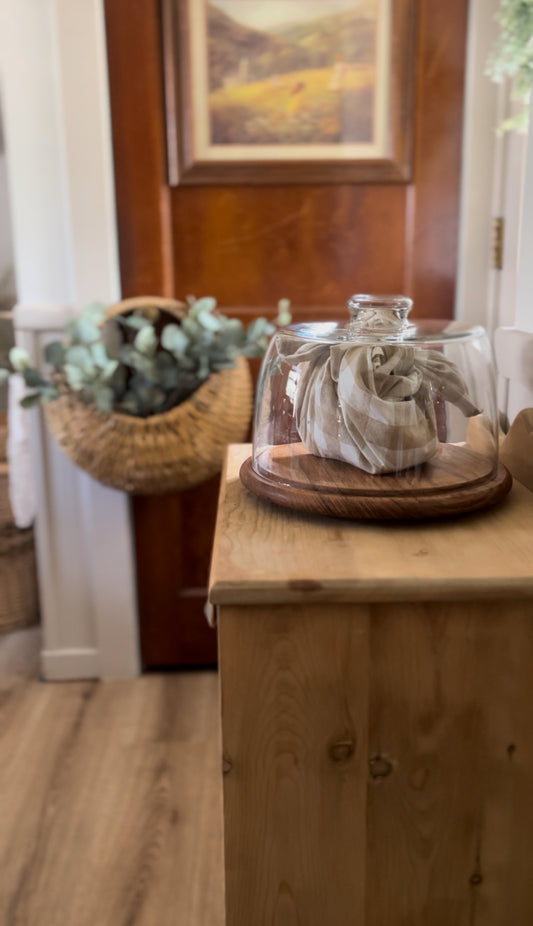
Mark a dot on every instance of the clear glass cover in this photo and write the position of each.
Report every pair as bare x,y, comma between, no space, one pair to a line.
376,400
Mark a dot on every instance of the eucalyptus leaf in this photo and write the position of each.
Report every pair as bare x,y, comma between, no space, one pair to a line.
84,330
218,365
117,380
209,321
203,367
146,341
99,354
174,339
142,364
94,312
137,322
126,353
74,376
192,328
80,356
168,372
104,399
54,354
49,393
19,359
33,378
110,369
130,404
34,398
200,306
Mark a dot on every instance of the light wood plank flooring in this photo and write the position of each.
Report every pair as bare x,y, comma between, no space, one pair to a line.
110,798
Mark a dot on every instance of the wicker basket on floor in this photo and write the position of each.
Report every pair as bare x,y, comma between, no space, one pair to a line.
3,437
161,453
5,506
19,602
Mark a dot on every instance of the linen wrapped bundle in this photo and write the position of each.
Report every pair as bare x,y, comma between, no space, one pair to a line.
373,405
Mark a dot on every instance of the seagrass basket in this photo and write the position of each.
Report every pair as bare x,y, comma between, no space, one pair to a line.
5,506
161,453
3,436
19,600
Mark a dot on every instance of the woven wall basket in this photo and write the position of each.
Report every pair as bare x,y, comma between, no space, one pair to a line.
162,453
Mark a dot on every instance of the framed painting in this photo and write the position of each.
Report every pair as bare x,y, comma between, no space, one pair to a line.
289,91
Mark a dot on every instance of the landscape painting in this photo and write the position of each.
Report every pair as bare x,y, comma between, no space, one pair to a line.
292,72
288,81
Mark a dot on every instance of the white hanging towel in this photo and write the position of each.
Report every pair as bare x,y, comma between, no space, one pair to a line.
21,481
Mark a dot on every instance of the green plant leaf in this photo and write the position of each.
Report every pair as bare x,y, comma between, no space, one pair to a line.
19,359
34,398
33,378
217,365
130,404
174,339
54,354
49,394
142,364
83,331
104,399
203,367
146,341
137,322
205,304
99,354
109,370
80,356
74,376
94,312
167,372
209,321
192,328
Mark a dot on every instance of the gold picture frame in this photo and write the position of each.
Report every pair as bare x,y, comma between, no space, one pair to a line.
289,91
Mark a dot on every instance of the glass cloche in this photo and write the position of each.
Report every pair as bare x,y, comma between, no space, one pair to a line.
378,417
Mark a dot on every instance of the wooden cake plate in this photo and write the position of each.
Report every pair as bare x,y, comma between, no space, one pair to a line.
455,481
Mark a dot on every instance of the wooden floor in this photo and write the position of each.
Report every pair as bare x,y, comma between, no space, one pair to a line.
110,798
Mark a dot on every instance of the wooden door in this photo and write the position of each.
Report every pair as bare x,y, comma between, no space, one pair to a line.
249,245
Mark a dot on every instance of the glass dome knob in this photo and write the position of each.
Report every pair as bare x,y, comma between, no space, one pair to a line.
385,315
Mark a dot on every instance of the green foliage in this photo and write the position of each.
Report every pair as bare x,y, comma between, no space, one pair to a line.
138,363
513,57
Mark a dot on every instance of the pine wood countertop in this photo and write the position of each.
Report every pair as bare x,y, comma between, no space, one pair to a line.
267,554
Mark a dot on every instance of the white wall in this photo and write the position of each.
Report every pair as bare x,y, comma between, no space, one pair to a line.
7,269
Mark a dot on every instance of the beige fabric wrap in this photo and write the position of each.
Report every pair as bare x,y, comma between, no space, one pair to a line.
372,406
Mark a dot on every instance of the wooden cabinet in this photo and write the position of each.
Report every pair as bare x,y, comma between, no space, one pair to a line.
376,721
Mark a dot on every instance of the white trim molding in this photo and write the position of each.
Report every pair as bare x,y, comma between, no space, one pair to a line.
61,190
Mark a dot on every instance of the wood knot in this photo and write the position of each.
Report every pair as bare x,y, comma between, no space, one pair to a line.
511,749
227,765
380,767
476,878
342,750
